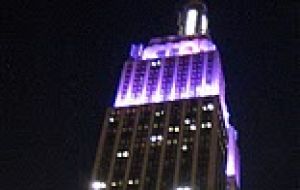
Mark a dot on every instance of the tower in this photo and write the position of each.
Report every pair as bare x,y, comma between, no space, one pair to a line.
169,126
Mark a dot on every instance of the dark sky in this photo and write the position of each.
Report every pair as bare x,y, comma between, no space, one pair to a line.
60,65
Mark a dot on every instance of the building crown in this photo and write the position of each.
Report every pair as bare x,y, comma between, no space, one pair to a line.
192,20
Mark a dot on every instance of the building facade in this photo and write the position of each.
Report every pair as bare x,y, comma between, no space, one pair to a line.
169,127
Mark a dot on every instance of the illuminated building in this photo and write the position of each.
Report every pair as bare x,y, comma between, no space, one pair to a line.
169,127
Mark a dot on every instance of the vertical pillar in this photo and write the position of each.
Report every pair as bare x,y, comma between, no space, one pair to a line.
144,91
163,148
178,154
131,80
131,153
173,89
146,156
211,179
196,145
115,149
100,146
158,96
121,86
188,82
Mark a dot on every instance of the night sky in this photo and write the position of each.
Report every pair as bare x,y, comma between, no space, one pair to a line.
60,66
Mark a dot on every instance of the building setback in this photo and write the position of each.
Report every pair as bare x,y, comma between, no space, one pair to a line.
169,127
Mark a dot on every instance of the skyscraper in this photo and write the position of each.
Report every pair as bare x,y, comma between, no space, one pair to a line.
169,127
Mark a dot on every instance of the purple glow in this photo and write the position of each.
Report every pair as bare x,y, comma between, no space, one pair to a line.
181,86
233,164
157,74
154,87
136,50
184,47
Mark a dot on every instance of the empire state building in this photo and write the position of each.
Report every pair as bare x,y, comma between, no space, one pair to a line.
169,127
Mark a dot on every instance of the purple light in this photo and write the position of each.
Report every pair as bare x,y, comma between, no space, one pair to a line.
180,89
233,164
145,81
184,47
127,96
136,50
137,91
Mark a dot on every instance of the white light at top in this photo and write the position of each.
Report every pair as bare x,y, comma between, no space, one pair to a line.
191,22
204,24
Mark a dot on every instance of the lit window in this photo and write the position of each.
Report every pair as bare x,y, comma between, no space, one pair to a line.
159,138
183,188
174,141
130,182
187,121
184,147
171,129
158,63
98,185
157,114
169,142
153,63
136,181
210,107
113,184
192,127
208,125
176,129
155,125
125,154
111,119
153,138
119,154
162,112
